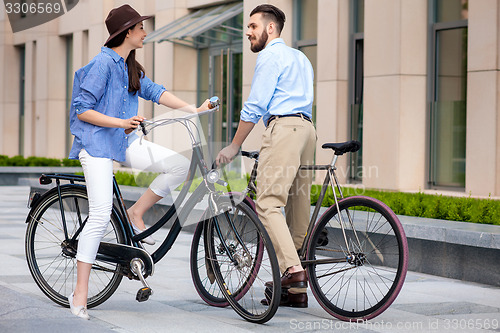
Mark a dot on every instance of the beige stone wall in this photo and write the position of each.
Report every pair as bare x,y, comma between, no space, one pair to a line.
394,123
396,119
483,130
332,81
9,91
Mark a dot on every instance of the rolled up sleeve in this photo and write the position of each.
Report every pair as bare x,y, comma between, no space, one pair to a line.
92,87
150,90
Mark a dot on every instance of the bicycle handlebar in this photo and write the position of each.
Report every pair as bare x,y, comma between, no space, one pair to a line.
250,154
213,104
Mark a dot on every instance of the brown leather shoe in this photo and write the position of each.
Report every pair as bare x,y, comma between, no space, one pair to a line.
298,300
291,280
294,280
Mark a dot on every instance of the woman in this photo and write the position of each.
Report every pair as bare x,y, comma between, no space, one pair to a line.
103,116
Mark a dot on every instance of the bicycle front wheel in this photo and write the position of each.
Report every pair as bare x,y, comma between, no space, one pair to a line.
51,255
357,271
201,270
243,260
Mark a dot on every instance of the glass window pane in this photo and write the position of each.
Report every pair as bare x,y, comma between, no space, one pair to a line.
69,88
452,10
308,16
311,53
451,65
359,15
449,143
449,108
236,90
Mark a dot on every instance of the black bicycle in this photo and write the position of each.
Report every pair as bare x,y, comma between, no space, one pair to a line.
356,253
237,247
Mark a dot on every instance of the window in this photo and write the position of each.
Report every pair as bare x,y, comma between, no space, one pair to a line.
69,88
448,93
216,32
22,86
356,56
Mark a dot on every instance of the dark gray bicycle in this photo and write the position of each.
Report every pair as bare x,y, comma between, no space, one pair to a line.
237,247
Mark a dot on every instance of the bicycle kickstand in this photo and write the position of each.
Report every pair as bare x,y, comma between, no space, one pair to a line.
143,294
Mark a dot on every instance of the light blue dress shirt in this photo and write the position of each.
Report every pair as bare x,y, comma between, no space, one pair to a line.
282,84
102,85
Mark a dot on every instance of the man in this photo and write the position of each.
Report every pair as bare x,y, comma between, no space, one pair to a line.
282,95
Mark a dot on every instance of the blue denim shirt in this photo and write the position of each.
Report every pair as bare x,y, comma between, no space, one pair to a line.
282,84
102,85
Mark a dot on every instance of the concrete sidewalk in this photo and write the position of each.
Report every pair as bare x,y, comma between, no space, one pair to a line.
425,304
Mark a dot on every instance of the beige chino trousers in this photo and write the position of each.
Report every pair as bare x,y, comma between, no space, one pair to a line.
286,144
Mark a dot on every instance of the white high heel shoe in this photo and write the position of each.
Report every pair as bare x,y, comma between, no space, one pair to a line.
148,240
79,311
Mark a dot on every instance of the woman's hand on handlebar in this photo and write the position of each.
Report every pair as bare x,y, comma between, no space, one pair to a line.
205,106
212,103
131,124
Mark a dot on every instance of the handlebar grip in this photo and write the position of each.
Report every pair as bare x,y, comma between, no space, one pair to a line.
250,154
214,102
143,128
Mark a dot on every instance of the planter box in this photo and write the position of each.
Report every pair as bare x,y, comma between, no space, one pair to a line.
12,175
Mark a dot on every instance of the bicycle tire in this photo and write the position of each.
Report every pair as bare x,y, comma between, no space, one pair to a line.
206,287
53,270
201,271
243,282
364,282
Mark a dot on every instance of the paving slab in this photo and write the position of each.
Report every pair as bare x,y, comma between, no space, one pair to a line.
426,303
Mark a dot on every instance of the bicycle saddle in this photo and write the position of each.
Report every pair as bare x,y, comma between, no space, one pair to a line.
343,147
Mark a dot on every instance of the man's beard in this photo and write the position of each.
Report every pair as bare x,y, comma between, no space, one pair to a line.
261,43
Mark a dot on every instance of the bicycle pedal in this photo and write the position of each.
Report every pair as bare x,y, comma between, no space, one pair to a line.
143,294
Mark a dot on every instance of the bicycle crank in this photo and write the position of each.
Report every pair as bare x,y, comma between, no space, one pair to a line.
137,266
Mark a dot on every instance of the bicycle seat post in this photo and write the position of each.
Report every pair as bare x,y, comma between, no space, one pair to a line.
334,161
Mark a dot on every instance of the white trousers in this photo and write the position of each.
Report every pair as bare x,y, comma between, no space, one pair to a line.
142,155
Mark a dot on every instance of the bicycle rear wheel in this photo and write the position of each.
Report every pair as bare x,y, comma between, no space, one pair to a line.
357,275
243,260
51,257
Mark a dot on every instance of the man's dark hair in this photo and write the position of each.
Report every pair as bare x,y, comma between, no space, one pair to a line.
270,12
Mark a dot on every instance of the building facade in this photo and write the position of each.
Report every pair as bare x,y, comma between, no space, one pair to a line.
416,81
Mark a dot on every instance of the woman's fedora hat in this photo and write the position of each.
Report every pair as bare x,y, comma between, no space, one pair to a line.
120,19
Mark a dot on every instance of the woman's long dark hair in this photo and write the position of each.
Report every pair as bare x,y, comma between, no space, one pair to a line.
135,69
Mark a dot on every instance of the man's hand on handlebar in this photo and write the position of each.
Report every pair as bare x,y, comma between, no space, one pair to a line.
227,154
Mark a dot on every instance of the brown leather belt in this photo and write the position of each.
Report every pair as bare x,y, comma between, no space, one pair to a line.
301,115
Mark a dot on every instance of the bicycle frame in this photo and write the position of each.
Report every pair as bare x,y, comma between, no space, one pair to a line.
329,180
206,187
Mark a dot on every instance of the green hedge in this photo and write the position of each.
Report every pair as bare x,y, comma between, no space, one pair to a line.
465,209
19,160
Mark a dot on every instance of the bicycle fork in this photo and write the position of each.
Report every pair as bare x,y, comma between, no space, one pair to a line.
237,260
